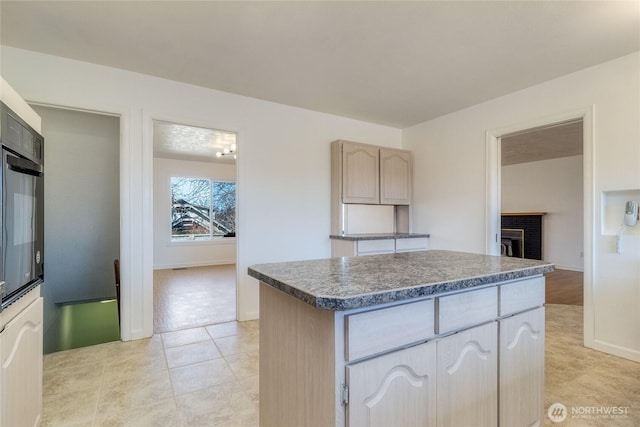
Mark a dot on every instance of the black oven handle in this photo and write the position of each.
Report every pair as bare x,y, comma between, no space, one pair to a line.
20,165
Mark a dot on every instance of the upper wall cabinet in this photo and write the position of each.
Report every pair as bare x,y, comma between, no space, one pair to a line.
372,175
360,173
395,177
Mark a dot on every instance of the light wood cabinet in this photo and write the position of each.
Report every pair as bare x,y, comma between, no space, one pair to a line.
342,247
376,331
468,378
520,296
522,369
360,174
374,175
410,363
364,174
465,309
373,247
412,244
21,368
395,177
397,389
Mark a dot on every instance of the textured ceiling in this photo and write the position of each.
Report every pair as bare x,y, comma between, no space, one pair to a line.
551,142
175,141
391,62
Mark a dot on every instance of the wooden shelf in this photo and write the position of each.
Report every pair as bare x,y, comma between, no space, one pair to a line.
523,213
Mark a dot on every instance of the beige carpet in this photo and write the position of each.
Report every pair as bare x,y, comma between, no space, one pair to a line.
193,297
587,382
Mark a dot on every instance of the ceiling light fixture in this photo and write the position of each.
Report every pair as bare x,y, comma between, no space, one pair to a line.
231,151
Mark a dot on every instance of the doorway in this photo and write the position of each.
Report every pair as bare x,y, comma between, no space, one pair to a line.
194,248
494,195
541,201
82,227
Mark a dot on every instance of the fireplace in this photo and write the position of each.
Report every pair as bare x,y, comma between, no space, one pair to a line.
512,242
521,234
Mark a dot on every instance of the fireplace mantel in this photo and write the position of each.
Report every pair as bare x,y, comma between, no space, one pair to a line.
523,213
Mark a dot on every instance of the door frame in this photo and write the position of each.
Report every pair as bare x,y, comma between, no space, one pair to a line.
493,192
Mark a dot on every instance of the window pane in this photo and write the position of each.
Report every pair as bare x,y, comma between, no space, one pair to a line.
224,208
190,211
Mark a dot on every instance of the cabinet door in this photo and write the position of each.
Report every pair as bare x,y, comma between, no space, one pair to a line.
375,247
522,369
397,389
395,177
360,174
414,244
468,378
21,368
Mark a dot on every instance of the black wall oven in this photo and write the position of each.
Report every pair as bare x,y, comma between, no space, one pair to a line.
22,206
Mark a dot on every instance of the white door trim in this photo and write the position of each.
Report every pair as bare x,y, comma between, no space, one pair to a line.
493,202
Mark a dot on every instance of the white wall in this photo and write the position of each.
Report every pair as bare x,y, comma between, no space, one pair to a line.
450,183
555,187
168,254
283,165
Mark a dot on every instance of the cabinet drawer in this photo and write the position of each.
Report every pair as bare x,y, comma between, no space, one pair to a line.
415,244
381,330
467,309
521,295
371,247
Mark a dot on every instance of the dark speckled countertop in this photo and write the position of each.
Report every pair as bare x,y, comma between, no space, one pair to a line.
377,236
353,282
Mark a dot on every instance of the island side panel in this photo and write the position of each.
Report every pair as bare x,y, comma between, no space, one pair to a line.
297,362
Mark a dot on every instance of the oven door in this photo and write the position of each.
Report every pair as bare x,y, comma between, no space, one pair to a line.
22,263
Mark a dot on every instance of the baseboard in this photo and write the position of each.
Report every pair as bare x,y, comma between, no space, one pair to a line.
615,350
252,315
570,268
136,334
195,264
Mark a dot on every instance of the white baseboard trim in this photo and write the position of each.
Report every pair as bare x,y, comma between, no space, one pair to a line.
615,350
194,264
569,267
251,315
137,334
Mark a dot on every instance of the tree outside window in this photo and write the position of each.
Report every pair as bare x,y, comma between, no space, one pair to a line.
202,209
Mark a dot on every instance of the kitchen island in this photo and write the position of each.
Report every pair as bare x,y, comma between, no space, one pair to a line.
419,338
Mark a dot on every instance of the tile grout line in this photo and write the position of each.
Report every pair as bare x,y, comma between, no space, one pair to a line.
166,361
100,387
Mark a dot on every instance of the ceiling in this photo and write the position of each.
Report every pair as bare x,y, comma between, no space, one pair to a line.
181,142
391,62
549,142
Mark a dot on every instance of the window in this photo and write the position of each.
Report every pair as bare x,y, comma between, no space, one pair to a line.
202,209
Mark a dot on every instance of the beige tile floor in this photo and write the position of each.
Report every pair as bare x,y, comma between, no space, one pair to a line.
586,380
193,297
205,376
208,376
